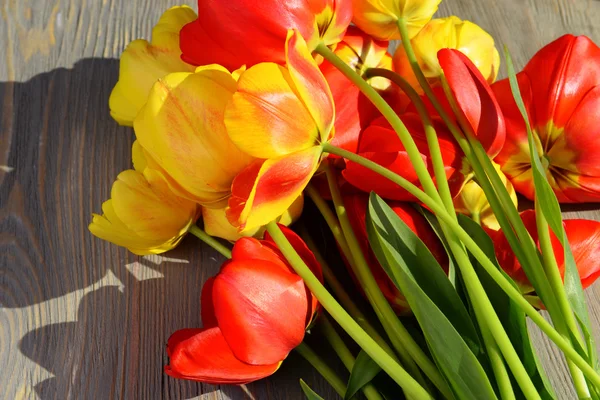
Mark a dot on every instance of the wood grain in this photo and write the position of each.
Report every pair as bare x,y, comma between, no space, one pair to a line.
80,318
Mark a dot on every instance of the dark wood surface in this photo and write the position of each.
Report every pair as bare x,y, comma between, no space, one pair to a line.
83,319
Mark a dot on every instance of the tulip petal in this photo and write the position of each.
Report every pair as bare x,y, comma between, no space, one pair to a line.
143,63
265,117
253,249
310,83
253,300
203,355
181,127
477,108
207,308
266,189
584,238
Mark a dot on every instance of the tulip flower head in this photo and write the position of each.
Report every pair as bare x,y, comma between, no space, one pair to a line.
246,32
143,214
143,63
561,89
379,18
448,33
281,116
255,311
584,239
182,128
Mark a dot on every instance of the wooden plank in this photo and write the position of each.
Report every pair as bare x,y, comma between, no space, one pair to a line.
81,318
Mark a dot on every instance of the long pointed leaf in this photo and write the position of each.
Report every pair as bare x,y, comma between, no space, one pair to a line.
308,392
415,272
364,370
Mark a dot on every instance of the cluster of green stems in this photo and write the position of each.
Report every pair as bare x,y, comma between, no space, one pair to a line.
404,361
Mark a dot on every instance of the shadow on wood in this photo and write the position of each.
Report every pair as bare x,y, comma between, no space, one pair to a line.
93,318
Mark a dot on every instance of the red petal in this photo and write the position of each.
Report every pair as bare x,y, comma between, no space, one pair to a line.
253,249
203,355
207,308
476,103
584,238
261,309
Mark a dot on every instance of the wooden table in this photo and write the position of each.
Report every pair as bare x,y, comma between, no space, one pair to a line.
83,319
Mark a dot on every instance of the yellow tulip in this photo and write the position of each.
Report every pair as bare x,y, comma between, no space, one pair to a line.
217,224
182,128
143,63
379,18
472,202
143,214
452,33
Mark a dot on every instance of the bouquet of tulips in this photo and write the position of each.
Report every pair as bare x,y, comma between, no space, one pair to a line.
248,109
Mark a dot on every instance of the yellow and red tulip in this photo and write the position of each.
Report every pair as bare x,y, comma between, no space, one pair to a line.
245,32
450,33
255,311
473,101
561,89
379,18
471,201
182,128
143,214
353,111
143,63
379,143
356,206
281,116
584,239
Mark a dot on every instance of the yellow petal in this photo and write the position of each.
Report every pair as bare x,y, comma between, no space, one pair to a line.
181,127
266,189
378,18
310,83
265,117
143,214
143,63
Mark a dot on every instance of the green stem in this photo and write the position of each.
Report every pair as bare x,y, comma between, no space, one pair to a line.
402,340
410,386
500,371
493,351
553,273
387,111
325,370
331,220
345,299
430,133
480,256
344,353
209,240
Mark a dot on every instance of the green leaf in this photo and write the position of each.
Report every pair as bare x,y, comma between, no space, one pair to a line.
551,210
364,370
511,315
308,392
445,322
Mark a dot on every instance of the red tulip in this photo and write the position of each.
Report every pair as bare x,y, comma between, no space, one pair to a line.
583,236
561,89
356,207
379,143
475,105
353,111
255,311
237,32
